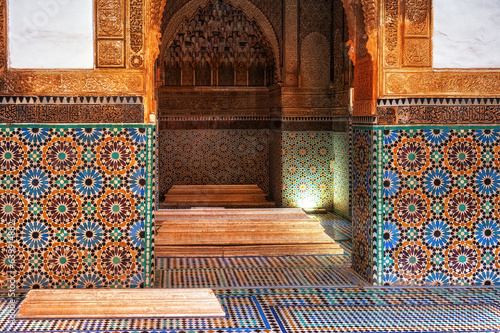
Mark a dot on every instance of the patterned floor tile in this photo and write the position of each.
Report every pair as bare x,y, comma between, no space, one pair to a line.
311,310
242,262
335,226
256,277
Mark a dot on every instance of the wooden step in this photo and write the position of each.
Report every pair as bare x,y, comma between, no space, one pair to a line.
240,227
240,232
202,191
202,220
119,303
247,238
210,203
248,250
216,196
241,186
224,211
198,220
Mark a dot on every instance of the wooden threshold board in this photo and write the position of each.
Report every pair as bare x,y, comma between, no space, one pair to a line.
117,303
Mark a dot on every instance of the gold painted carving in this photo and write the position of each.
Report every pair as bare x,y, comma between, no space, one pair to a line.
110,19
110,53
3,36
391,54
442,83
71,83
417,17
417,52
110,26
136,33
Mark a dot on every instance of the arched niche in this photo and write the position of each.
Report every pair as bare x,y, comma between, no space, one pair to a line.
251,12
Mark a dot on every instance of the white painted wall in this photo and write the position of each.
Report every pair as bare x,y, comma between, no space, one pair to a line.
466,34
52,34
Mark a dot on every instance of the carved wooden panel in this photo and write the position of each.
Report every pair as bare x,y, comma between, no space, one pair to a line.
136,25
110,53
406,57
110,24
417,18
110,19
391,34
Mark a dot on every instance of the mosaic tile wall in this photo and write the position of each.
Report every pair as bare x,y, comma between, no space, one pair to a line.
362,255
441,205
341,173
275,170
201,157
306,176
81,199
436,208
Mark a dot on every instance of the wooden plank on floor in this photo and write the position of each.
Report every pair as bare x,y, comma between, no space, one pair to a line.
248,250
119,303
223,211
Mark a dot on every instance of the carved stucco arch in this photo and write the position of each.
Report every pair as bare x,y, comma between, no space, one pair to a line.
250,11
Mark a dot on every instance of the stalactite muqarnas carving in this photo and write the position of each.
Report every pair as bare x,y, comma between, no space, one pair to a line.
220,36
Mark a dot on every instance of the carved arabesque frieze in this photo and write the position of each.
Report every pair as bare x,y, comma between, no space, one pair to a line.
192,102
70,83
449,83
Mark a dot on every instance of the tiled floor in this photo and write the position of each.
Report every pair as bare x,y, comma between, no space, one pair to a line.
296,294
293,310
255,272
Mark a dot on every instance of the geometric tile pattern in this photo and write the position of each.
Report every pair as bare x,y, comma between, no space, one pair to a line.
80,197
256,277
431,195
255,272
324,309
335,226
362,256
477,317
341,173
441,205
275,169
213,157
242,262
307,179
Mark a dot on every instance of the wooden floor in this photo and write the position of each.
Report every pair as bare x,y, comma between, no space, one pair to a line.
216,196
240,232
119,303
